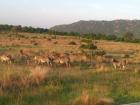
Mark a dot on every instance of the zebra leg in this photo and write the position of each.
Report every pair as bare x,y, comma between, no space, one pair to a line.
123,67
115,66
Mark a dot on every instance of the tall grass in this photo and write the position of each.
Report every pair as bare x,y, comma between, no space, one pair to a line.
41,86
16,78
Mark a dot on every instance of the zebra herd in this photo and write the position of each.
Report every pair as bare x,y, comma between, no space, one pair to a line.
49,59
59,59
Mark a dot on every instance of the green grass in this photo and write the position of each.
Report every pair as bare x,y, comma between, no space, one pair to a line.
64,86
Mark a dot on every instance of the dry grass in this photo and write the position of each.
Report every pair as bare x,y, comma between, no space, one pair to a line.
118,46
38,75
105,101
15,79
86,99
43,43
100,90
63,85
102,68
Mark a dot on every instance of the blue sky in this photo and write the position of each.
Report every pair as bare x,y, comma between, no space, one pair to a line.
47,13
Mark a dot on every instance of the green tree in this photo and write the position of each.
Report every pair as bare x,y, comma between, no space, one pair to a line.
128,36
0,28
112,37
14,30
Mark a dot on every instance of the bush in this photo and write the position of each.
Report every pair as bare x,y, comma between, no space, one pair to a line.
100,52
128,36
49,39
86,41
35,43
55,42
126,56
72,43
88,46
92,46
44,37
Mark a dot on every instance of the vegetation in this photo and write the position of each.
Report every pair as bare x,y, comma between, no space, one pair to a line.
90,46
62,87
126,37
84,83
86,40
16,29
72,43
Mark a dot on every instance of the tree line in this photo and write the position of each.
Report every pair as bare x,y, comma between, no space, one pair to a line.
19,28
126,37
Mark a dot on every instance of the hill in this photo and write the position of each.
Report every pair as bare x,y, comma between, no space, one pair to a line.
107,27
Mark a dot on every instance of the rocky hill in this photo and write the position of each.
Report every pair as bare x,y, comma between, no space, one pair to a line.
117,27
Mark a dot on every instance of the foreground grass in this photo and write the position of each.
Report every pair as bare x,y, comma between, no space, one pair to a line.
67,87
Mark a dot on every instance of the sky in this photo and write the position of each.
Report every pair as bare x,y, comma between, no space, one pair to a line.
48,13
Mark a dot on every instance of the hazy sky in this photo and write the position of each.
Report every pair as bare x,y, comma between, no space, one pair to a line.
47,13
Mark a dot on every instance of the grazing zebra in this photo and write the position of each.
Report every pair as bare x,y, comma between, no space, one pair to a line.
43,60
119,64
5,58
61,59
65,60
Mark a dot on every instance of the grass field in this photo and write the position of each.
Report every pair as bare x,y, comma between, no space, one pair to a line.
78,85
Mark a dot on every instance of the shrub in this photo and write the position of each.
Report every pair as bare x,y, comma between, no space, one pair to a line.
88,46
49,39
92,46
86,41
126,56
55,42
35,43
72,43
44,37
128,36
100,52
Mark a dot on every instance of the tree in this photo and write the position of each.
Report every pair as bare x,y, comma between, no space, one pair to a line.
19,28
14,30
128,36
0,28
112,37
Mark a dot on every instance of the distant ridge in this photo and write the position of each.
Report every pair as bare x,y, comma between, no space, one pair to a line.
117,27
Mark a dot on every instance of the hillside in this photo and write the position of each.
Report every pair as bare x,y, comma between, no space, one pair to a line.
108,27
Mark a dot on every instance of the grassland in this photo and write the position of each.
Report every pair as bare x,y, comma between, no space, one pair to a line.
78,85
